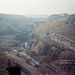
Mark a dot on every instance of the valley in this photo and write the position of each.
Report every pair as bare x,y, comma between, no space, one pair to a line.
40,46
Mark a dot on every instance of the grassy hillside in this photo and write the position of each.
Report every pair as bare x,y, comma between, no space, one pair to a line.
14,23
6,28
15,29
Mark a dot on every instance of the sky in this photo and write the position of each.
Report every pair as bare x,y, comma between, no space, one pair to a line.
37,7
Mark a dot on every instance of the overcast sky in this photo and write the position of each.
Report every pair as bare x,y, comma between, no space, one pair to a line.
37,7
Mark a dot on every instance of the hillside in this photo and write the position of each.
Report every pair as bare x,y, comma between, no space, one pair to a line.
52,53
62,27
14,28
3,63
10,24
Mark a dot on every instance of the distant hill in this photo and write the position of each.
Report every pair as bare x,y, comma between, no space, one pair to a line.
38,18
10,24
63,27
58,17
